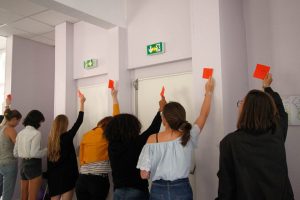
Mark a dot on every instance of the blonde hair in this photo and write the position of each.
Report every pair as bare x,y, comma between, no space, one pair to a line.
59,126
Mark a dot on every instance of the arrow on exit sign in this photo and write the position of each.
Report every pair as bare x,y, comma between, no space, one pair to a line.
156,48
91,63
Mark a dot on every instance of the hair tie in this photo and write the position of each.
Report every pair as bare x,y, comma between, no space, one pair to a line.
182,125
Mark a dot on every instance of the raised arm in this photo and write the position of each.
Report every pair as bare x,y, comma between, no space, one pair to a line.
116,107
278,102
205,108
79,120
156,123
7,107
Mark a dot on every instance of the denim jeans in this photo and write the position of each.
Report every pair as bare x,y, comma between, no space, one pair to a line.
130,194
171,190
1,184
9,175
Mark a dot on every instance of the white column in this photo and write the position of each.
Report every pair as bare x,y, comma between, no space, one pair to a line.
118,67
65,86
218,40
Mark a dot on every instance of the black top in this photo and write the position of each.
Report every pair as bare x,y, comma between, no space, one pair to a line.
124,156
62,175
253,166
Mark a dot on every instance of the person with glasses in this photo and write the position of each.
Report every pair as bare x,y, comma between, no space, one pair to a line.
252,161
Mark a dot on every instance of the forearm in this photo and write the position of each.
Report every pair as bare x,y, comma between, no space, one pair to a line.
116,109
81,108
277,100
39,153
205,110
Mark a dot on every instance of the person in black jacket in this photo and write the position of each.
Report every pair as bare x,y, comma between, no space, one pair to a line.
125,144
252,162
62,172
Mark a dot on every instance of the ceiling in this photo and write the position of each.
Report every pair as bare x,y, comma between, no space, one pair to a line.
26,19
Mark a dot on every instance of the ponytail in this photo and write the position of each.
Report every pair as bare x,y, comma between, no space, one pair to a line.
185,128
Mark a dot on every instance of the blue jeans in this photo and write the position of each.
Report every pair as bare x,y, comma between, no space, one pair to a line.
171,190
1,184
9,175
130,194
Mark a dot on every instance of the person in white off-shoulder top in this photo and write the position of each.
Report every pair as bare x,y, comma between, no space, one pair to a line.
166,158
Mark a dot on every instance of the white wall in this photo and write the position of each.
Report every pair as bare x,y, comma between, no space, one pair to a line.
206,51
90,42
272,29
32,81
2,79
65,93
234,60
158,21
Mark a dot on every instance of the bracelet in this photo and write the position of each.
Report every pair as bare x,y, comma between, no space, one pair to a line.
208,94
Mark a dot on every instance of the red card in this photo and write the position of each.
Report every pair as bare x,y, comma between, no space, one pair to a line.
162,93
79,93
261,71
9,96
111,84
207,73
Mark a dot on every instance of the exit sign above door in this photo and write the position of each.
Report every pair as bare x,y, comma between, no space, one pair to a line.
156,48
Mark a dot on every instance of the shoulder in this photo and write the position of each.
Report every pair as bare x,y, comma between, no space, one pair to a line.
9,130
152,139
231,137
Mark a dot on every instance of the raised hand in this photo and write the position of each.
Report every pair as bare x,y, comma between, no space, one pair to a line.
8,100
209,86
162,103
267,80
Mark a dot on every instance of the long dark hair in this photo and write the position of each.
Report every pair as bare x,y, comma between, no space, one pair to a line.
259,112
123,127
175,115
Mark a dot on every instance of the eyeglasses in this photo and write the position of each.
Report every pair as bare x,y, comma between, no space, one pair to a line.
239,102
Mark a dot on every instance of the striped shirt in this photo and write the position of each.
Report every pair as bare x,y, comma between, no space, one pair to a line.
96,168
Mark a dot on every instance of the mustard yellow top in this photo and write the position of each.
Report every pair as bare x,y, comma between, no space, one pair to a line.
93,146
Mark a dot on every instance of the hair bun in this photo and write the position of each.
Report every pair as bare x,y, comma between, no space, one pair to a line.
185,125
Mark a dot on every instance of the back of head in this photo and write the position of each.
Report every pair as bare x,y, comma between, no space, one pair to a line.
34,118
59,126
175,115
11,114
259,112
103,122
123,127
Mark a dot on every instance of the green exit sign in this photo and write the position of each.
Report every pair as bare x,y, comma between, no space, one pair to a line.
156,48
89,64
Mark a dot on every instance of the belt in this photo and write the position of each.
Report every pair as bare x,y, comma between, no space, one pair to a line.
102,175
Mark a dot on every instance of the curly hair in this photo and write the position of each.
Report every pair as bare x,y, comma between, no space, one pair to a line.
123,127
